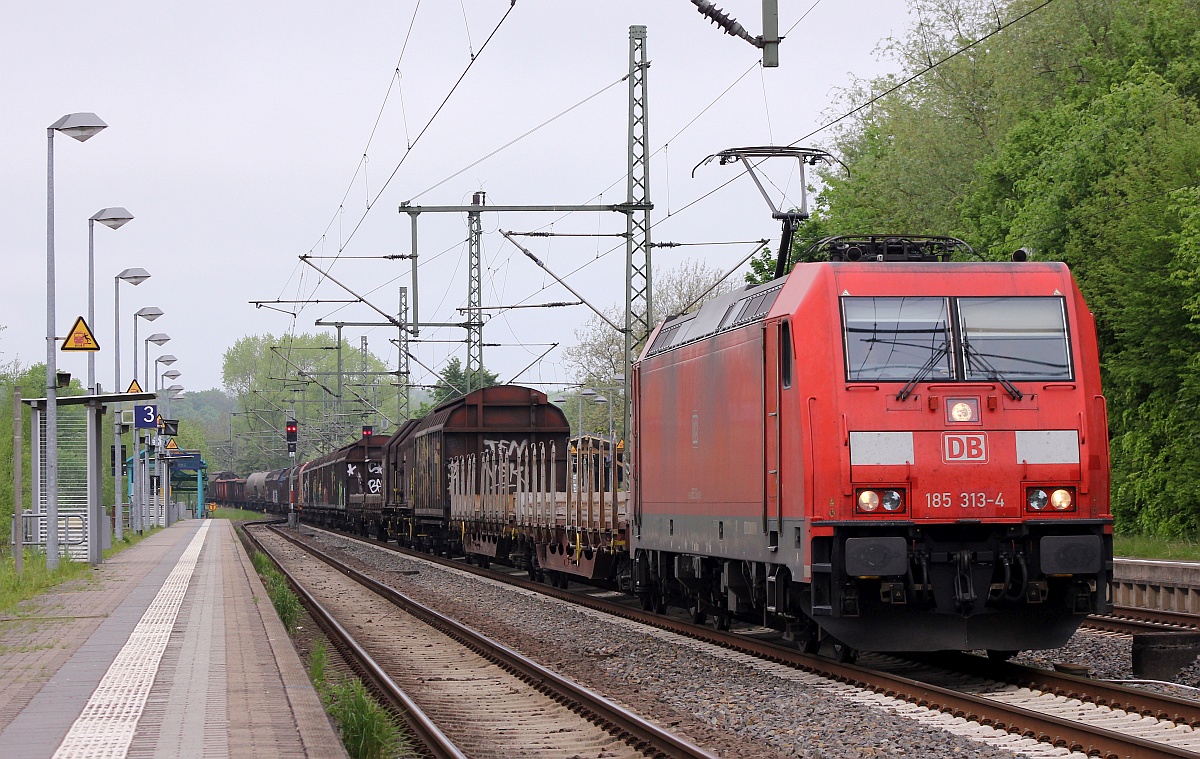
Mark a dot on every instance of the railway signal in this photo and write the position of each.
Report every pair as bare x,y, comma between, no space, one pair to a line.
368,430
291,436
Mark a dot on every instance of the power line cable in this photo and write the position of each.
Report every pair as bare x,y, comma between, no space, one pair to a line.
921,73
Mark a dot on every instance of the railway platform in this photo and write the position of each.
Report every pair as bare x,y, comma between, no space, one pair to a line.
170,649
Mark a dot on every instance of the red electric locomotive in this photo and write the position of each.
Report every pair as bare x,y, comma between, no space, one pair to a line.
887,447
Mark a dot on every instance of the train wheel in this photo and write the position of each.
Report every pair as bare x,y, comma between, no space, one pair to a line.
723,621
811,642
647,601
698,616
843,653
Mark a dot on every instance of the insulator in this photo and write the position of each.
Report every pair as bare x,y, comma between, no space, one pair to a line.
722,19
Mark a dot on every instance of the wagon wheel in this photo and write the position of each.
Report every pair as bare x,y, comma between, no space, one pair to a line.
844,654
811,642
647,600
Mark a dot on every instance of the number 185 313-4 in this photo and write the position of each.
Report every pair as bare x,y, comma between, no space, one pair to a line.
964,500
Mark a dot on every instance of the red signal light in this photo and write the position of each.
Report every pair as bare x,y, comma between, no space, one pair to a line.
291,430
368,430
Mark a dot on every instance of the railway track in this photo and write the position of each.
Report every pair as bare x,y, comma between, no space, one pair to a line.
1131,620
467,694
1063,710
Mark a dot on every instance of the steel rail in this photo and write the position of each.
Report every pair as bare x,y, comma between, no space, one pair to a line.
641,733
1172,619
436,743
1043,727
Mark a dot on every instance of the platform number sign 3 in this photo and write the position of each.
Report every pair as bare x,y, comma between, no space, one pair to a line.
145,417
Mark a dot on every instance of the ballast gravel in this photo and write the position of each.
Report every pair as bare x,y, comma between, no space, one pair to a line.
1109,656
730,703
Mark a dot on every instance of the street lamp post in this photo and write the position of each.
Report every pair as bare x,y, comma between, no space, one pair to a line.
168,395
79,126
149,313
152,437
160,339
113,218
134,277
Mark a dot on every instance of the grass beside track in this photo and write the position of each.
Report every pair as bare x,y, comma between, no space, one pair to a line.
367,730
1143,547
35,579
239,515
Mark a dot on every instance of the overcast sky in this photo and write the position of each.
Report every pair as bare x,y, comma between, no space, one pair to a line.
237,133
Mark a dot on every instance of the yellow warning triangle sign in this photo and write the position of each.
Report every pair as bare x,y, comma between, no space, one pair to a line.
80,338
172,445
134,387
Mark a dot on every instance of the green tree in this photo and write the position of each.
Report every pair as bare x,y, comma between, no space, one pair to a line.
273,378
453,382
1075,132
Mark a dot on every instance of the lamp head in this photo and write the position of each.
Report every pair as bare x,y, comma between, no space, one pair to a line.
159,338
175,388
173,374
165,358
113,218
150,313
134,276
80,126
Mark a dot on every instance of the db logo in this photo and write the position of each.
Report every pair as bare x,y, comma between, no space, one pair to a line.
963,449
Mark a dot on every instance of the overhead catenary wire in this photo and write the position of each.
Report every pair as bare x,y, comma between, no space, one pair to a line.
921,73
518,138
344,240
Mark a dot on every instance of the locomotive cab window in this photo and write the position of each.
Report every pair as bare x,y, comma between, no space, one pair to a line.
896,338
785,353
964,339
1015,338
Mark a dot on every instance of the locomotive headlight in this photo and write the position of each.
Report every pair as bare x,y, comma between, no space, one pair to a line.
892,500
868,500
962,410
1061,499
1037,499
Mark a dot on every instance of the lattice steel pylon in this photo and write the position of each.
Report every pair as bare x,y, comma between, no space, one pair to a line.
474,368
639,290
403,409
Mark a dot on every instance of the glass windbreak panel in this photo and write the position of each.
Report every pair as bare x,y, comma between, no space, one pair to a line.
1015,338
897,339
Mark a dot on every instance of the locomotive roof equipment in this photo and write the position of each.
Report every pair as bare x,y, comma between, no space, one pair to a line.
790,219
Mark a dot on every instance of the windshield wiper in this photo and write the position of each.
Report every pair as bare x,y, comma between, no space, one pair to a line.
938,354
977,357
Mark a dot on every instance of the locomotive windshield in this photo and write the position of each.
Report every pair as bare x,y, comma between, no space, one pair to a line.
896,338
915,339
1016,338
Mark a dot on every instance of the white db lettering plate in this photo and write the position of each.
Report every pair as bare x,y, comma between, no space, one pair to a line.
968,448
